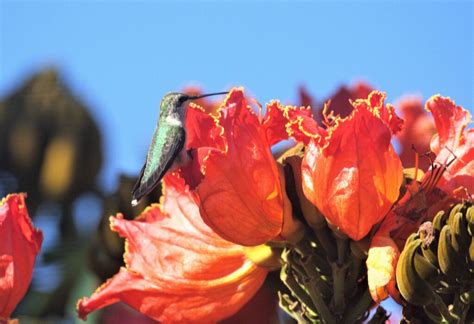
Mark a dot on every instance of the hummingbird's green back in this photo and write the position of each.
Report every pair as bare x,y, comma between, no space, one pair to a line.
166,144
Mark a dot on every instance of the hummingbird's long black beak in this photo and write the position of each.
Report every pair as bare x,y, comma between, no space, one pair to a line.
207,95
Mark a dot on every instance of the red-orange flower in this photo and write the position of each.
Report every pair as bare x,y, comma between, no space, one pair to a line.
418,129
453,142
353,175
240,189
20,243
454,148
177,268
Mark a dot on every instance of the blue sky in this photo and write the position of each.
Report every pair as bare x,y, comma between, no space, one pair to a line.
121,57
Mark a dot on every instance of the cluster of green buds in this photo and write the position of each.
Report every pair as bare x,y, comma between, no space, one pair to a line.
327,279
325,273
436,268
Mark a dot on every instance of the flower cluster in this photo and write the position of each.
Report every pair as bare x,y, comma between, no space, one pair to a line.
194,258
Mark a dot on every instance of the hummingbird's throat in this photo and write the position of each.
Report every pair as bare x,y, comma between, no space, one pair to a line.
173,121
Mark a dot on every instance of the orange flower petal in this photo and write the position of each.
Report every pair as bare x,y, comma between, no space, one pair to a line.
355,175
241,195
202,130
203,134
280,122
376,103
453,141
382,262
21,242
178,270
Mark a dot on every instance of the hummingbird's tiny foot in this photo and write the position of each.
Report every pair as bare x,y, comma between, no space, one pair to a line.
134,202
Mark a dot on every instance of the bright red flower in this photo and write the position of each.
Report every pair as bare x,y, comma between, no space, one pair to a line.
177,268
353,175
20,243
240,189
418,129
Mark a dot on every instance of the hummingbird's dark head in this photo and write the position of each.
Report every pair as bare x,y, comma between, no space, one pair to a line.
175,101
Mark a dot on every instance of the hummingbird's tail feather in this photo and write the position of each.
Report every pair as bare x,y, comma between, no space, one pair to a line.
142,189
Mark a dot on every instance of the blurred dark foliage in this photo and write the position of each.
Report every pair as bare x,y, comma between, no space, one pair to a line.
49,143
50,148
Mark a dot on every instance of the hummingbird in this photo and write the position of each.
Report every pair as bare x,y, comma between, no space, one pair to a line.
167,149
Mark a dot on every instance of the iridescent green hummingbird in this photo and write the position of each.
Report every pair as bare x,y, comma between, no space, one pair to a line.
167,150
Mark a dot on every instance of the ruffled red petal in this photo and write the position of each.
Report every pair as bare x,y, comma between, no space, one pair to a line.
241,195
281,122
178,269
21,242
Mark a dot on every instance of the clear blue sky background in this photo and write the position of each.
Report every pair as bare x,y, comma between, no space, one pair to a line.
121,57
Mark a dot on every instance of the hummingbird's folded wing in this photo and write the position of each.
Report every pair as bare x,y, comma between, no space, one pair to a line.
166,158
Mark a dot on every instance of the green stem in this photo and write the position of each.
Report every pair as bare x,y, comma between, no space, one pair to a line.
358,310
313,281
327,242
310,269
338,277
339,270
290,281
310,265
316,297
351,282
342,244
295,266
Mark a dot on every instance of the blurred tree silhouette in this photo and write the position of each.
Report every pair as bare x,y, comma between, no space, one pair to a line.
50,148
50,143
